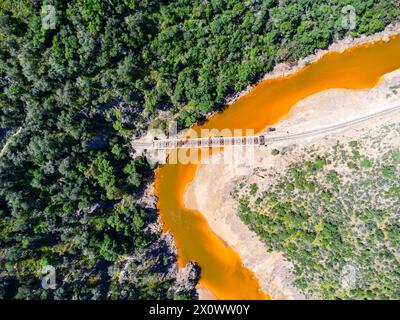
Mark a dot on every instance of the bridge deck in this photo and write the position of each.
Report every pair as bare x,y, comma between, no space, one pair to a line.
211,142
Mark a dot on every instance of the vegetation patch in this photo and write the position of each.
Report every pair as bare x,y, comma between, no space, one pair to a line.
335,215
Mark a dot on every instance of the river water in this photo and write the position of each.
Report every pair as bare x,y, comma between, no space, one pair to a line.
222,271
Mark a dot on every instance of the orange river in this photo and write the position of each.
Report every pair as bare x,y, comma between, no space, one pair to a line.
222,271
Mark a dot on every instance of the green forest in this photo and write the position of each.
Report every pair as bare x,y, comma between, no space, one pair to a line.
73,93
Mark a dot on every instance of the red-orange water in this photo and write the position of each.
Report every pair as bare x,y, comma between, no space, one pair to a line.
222,271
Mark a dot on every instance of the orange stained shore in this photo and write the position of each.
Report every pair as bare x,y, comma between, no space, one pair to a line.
222,271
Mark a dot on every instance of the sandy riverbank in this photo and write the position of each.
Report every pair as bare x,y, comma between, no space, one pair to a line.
210,191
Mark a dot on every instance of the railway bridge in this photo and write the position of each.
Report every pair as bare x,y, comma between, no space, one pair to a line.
195,143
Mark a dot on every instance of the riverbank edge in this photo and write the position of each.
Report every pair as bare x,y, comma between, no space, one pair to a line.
286,69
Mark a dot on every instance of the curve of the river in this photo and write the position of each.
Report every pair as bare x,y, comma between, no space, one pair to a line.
222,271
